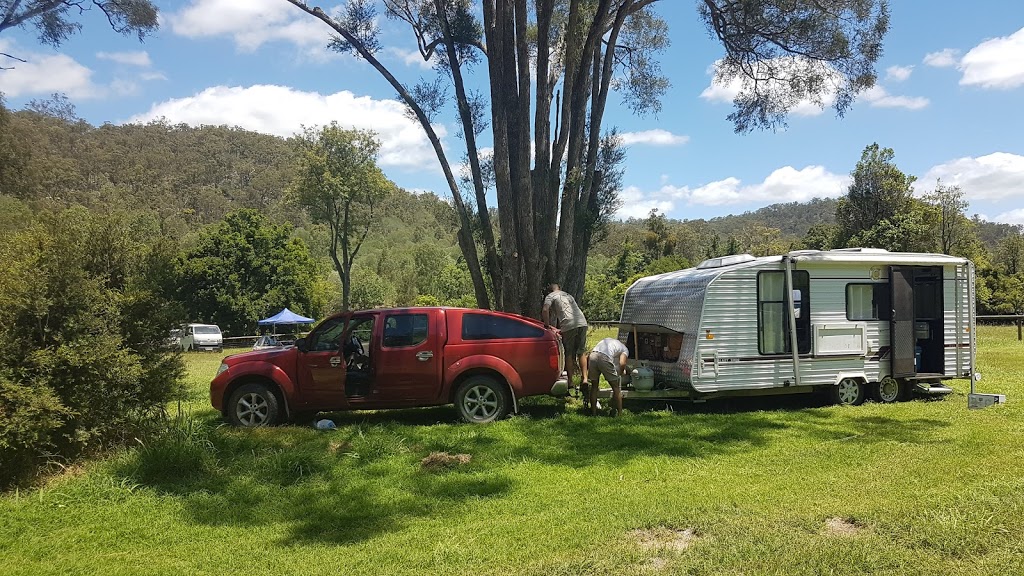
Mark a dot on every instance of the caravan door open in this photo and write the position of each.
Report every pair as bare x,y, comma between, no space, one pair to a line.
916,329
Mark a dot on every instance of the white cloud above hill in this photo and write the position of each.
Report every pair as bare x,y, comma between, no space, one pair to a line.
995,177
786,184
282,111
44,74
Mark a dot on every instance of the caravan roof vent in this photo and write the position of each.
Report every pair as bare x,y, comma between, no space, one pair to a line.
862,250
725,261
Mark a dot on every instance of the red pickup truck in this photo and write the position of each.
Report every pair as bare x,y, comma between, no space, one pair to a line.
480,360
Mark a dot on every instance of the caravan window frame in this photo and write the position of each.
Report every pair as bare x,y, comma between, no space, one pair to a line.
801,284
881,301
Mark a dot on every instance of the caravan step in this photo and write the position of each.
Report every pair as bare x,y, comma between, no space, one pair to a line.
934,389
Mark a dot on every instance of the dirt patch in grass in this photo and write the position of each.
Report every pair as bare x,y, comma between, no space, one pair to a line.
443,461
665,538
336,446
837,526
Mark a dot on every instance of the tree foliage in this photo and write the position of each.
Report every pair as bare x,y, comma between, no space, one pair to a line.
879,195
55,20
550,67
246,268
787,52
339,184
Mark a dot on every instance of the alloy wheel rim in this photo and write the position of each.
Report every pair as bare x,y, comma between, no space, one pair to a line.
480,402
849,390
252,409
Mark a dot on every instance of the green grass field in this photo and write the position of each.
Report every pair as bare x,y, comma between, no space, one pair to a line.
768,486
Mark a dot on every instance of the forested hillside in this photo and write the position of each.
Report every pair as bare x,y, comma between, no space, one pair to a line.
181,181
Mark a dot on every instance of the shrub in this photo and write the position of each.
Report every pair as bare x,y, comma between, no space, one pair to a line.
84,362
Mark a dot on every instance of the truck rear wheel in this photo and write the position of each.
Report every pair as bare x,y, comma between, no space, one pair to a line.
482,399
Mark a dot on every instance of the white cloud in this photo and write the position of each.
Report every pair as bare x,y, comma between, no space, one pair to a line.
637,204
727,91
945,58
250,24
878,97
1011,217
655,137
149,76
140,59
409,57
282,111
44,74
787,184
997,176
898,73
995,63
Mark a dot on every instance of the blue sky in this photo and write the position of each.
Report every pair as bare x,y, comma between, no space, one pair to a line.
948,101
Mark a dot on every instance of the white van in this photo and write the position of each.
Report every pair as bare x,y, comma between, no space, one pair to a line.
202,337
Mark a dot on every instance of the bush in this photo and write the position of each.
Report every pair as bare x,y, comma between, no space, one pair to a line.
84,363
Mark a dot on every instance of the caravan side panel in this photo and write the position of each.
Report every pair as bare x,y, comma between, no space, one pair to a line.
731,359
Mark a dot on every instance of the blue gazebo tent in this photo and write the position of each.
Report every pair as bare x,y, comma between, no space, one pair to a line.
285,316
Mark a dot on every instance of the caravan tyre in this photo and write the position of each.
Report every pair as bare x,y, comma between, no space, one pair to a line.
890,390
849,392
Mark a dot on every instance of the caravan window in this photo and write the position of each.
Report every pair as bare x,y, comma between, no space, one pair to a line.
868,301
772,316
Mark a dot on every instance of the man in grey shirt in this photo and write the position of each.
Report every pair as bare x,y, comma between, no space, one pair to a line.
608,358
562,312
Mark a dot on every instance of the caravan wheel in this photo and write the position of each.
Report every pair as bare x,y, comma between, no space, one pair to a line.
890,390
849,392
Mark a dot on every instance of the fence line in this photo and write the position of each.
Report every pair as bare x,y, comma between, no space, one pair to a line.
1017,318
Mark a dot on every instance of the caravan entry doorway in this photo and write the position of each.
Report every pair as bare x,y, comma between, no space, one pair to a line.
916,335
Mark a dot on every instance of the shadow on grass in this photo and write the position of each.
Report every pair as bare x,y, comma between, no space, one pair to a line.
364,479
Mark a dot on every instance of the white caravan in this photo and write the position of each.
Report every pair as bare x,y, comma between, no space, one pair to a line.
866,322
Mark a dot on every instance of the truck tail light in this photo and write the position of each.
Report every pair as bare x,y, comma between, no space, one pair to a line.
557,362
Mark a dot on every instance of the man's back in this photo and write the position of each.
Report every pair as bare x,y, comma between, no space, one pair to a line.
565,313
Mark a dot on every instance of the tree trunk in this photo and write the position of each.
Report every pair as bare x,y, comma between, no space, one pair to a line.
466,227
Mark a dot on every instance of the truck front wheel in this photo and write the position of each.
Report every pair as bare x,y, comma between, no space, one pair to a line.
253,405
482,399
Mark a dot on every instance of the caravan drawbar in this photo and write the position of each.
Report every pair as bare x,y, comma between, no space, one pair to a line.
857,322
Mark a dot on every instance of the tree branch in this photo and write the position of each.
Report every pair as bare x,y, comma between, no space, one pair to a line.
12,19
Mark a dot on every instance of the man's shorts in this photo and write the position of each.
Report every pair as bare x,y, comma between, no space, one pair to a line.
575,341
599,364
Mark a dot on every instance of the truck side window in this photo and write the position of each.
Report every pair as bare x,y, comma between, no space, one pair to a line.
490,327
328,336
401,330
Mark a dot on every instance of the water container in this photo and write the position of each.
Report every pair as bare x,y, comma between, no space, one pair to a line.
643,378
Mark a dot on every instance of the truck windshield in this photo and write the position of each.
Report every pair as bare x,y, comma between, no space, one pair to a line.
206,330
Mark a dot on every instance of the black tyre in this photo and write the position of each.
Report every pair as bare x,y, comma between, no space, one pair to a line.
890,390
482,399
253,405
849,392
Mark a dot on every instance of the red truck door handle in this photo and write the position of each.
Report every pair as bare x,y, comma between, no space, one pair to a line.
335,360
424,356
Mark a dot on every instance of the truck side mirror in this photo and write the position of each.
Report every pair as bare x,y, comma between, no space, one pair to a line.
301,344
